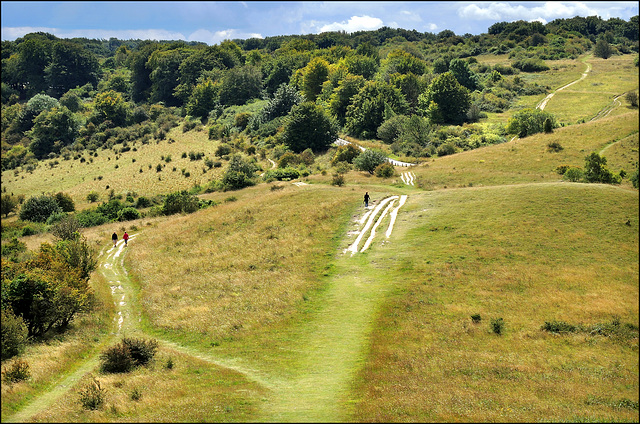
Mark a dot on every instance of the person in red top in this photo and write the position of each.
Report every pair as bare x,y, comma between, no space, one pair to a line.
125,237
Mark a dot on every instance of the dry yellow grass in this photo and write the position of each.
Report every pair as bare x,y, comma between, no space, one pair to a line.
241,265
192,391
527,254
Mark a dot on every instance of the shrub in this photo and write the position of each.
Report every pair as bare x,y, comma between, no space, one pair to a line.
384,170
180,202
14,334
38,208
369,160
281,174
554,146
65,202
345,153
90,218
559,327
110,209
446,149
573,174
338,180
141,351
497,325
17,371
93,197
128,354
476,318
92,395
116,359
143,202
68,228
128,214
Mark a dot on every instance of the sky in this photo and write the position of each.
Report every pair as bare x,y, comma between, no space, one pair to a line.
212,22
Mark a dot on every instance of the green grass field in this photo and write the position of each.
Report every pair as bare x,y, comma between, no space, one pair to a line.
267,319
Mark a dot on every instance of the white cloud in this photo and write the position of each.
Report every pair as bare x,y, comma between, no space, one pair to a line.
510,12
216,37
355,23
202,35
11,33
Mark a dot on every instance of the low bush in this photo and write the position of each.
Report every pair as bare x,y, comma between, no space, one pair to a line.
497,325
384,170
92,395
17,371
14,333
127,355
128,214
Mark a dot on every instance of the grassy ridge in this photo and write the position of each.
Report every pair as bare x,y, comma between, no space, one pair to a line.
529,159
527,254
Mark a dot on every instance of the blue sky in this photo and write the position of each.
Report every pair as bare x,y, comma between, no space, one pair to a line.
214,21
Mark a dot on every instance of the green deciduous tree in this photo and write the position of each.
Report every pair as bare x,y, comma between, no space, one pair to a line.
111,106
240,85
52,130
446,101
342,95
45,291
203,99
369,160
8,204
314,75
376,102
530,121
71,66
596,171
602,49
39,208
309,127
460,69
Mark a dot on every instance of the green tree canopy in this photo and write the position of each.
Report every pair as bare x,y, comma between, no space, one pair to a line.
374,103
309,127
240,84
203,99
314,75
445,101
530,121
52,130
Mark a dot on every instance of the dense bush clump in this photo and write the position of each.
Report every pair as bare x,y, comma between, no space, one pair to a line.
127,355
39,208
14,334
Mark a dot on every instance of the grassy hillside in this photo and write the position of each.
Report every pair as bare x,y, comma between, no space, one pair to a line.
529,254
266,318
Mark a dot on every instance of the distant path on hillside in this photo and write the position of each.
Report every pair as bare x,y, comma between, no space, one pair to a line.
343,142
544,101
126,321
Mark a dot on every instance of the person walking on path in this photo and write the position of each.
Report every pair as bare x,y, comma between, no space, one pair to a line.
114,238
366,199
125,237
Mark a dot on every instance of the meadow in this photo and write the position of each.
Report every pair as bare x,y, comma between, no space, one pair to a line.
266,319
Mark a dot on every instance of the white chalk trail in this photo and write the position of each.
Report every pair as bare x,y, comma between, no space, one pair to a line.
373,220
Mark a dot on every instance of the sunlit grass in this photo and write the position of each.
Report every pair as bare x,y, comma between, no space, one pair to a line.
525,254
191,391
241,265
527,159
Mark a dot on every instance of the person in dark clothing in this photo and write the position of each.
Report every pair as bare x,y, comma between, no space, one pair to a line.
114,238
366,199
